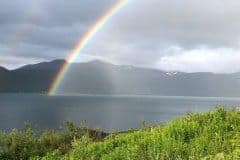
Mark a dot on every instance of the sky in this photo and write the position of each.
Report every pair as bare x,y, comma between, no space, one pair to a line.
171,35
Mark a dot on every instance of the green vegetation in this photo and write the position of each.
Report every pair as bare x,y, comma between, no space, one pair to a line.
207,136
18,145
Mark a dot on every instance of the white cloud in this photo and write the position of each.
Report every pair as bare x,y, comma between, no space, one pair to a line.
12,62
202,60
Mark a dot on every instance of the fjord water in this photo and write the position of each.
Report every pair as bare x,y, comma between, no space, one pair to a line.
106,112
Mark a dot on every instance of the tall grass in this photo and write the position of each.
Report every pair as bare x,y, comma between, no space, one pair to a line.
211,135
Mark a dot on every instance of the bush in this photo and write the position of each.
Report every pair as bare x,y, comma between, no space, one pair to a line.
212,135
33,143
200,136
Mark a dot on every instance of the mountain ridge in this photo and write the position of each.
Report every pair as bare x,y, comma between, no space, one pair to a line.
99,77
61,61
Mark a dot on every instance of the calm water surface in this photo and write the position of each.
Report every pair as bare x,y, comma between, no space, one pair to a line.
107,112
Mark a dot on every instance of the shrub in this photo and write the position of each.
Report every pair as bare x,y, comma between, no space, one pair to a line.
199,136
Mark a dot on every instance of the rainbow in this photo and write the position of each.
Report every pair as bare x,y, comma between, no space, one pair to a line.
82,42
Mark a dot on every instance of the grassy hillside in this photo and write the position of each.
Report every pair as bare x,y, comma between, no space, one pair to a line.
211,135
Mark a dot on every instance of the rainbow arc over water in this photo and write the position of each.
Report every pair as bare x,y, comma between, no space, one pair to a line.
82,42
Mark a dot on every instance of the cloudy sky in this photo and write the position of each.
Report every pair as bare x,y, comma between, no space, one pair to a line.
184,35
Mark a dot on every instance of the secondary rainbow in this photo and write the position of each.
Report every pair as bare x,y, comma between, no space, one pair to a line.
82,42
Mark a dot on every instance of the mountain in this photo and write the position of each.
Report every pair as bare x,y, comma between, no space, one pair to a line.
30,78
97,77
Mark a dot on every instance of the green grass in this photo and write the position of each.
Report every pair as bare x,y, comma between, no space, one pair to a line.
21,145
211,135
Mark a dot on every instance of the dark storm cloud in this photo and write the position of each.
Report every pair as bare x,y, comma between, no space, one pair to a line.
165,34
44,29
54,12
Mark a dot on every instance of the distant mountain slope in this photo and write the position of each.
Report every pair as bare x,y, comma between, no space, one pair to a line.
30,78
97,77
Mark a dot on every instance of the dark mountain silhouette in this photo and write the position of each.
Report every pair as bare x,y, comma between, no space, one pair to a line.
97,77
30,78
